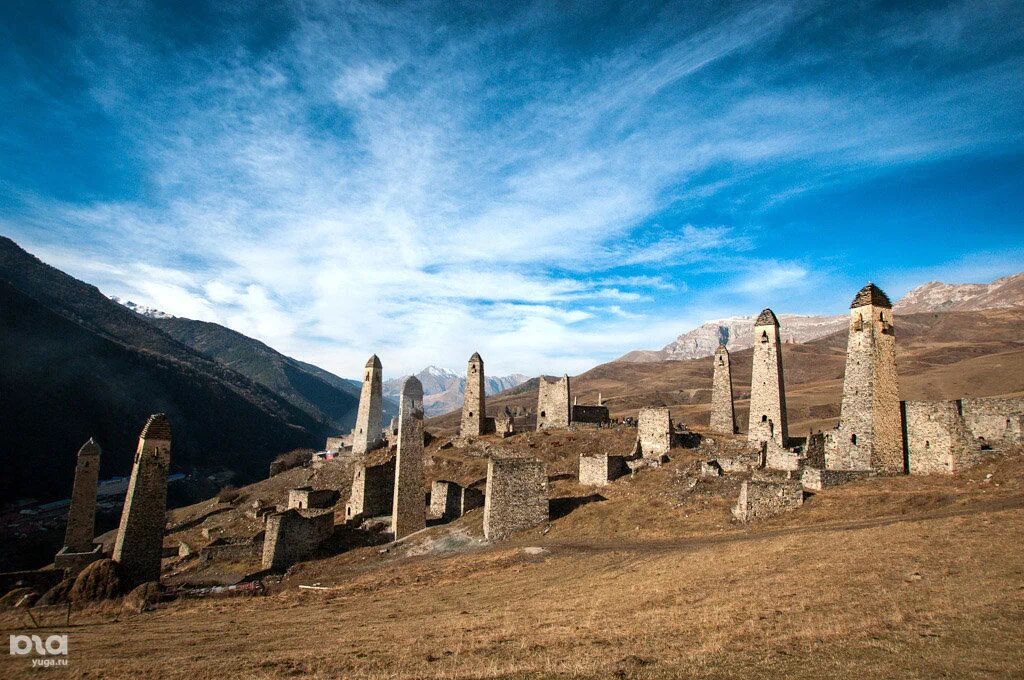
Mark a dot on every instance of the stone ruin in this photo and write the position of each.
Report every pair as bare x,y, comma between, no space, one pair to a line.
600,469
505,423
139,544
307,498
408,512
474,405
294,535
516,497
767,384
373,488
654,432
79,550
586,414
723,413
997,421
449,500
553,403
760,499
938,439
870,435
367,434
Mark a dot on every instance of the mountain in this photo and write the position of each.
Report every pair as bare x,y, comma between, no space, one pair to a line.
737,332
75,364
443,390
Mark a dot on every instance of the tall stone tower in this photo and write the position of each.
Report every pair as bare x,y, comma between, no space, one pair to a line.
723,414
554,401
870,431
140,538
409,511
367,434
767,384
473,405
82,513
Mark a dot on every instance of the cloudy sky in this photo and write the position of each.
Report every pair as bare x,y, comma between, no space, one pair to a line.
552,184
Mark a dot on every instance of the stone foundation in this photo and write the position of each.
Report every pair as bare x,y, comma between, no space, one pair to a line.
763,499
937,438
815,479
294,535
654,431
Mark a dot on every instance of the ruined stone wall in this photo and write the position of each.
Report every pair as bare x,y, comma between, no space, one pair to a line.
762,499
505,424
335,443
723,413
139,544
306,498
589,415
367,434
937,438
294,535
445,499
778,458
373,488
654,431
870,435
553,403
814,450
516,496
81,528
767,383
409,513
816,479
1000,421
474,407
601,469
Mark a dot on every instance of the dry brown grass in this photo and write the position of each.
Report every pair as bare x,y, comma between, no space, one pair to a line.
901,577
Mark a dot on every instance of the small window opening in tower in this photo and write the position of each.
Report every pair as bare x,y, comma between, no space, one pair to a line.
881,316
927,444
853,439
470,414
367,377
764,419
543,415
764,336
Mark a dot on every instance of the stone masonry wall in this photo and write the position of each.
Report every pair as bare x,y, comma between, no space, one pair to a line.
937,438
409,513
589,415
516,496
471,500
601,469
654,430
553,403
81,527
723,413
767,382
870,434
139,544
445,499
999,421
306,498
373,488
762,499
474,407
367,434
293,535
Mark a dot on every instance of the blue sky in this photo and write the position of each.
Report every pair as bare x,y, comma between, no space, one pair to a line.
551,184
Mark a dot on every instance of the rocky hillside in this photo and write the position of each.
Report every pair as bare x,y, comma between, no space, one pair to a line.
443,390
74,365
736,332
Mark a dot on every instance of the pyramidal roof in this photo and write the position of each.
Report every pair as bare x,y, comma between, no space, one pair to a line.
373,362
90,448
476,357
767,318
722,349
157,427
871,295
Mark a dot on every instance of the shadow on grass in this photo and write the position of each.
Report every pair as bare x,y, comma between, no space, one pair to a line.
560,507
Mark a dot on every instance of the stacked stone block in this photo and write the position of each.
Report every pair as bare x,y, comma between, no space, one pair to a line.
654,432
870,435
600,469
367,434
937,438
815,479
999,421
373,488
723,413
763,499
767,384
589,415
505,423
82,513
445,499
516,496
308,498
294,535
408,512
474,404
139,544
554,401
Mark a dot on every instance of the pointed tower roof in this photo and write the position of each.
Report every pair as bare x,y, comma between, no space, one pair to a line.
476,357
373,362
871,295
722,349
157,427
90,448
767,318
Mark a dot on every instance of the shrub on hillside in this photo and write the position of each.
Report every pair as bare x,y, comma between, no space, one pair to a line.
229,494
56,595
101,580
293,459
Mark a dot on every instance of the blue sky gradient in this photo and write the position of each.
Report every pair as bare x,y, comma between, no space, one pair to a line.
550,184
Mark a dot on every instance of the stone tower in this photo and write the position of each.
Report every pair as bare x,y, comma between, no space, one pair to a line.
82,513
553,403
870,434
473,405
767,384
367,434
140,538
408,510
723,414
